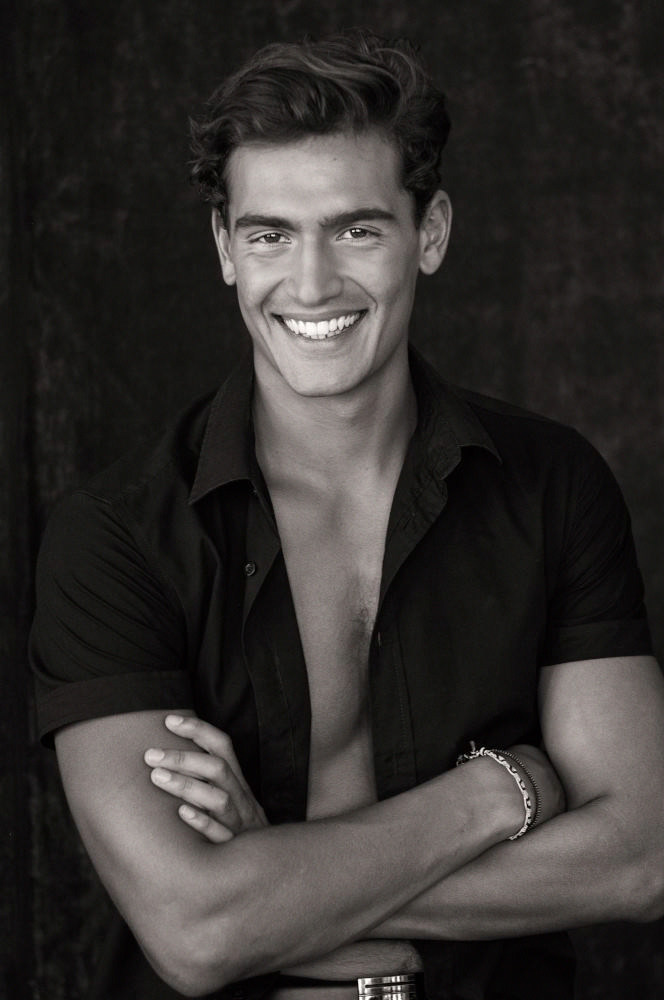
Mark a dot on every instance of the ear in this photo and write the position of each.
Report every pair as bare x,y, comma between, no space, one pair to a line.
435,232
222,241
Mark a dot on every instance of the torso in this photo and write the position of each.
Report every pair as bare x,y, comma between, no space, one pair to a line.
333,550
334,567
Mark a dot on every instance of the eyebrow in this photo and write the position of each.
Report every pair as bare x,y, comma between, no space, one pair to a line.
251,220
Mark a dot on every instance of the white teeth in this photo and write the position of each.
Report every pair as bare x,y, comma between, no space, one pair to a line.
322,329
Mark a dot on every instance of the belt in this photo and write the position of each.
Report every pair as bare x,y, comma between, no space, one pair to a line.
403,986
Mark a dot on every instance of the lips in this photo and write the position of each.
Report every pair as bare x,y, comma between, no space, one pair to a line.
322,329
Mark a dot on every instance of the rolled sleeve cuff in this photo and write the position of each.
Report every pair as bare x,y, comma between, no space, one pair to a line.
99,696
598,640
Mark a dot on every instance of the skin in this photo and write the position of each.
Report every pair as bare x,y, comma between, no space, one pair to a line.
216,801
206,894
207,914
361,253
320,230
600,860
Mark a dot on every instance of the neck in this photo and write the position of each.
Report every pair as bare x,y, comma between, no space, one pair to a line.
329,440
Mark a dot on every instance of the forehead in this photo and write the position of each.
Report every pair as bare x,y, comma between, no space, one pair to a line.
327,173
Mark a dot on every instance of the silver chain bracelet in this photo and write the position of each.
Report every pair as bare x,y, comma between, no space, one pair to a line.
530,810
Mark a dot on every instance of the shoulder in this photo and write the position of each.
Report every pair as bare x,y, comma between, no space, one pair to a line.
515,432
547,463
166,461
514,426
155,476
118,515
535,446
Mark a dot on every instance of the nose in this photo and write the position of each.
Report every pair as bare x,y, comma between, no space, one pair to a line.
314,277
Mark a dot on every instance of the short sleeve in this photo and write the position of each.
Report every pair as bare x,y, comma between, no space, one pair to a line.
597,606
108,635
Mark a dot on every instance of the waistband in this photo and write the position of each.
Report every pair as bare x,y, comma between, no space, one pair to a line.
401,986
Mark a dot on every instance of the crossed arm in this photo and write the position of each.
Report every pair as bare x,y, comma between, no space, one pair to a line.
208,913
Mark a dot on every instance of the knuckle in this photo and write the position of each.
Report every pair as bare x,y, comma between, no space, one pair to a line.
222,769
222,801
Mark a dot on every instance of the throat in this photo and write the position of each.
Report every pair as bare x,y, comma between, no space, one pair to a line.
332,442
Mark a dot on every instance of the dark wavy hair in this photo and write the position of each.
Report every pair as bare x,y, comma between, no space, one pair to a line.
345,83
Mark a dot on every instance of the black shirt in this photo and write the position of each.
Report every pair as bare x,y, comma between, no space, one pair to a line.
162,584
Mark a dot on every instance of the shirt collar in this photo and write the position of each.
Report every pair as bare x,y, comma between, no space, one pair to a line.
227,450
445,421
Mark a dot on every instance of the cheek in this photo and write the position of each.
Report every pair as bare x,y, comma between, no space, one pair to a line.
398,281
383,275
254,282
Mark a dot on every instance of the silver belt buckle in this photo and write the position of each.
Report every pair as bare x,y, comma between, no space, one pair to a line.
399,987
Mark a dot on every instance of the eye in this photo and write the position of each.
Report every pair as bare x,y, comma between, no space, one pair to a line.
356,233
270,239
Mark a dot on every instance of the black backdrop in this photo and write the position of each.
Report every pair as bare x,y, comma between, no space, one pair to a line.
114,315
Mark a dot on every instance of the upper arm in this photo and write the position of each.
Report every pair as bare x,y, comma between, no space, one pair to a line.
147,858
595,600
108,636
602,723
601,693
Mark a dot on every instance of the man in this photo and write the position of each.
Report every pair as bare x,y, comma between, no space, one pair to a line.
321,588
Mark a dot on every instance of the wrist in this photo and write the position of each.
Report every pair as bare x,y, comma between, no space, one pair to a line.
528,781
515,795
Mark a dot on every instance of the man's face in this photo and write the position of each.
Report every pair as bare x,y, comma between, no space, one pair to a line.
323,248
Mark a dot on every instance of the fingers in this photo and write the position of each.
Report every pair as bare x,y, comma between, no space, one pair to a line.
217,802
199,776
206,825
195,764
220,748
209,738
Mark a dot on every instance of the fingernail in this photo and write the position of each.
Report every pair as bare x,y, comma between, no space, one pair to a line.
174,720
161,775
153,756
187,812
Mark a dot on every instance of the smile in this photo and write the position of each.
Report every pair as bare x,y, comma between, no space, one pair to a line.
322,329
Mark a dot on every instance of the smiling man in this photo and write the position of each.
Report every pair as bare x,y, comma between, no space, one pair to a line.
263,643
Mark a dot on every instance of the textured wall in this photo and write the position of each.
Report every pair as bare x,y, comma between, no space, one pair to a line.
551,297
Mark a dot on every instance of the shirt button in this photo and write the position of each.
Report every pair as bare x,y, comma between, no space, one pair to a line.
249,568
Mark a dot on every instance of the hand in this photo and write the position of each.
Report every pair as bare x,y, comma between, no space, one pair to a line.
216,800
551,795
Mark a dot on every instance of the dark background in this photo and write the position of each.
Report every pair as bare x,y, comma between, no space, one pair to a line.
114,314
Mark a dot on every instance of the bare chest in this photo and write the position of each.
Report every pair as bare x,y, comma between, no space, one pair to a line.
334,561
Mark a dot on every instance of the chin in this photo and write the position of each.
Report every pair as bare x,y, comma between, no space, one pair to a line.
321,388
318,377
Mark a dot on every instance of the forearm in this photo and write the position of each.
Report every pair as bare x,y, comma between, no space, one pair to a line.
278,897
579,868
604,859
209,913
433,818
